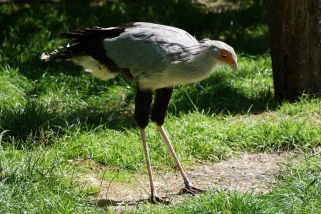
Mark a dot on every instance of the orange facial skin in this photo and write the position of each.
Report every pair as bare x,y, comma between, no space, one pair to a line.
227,58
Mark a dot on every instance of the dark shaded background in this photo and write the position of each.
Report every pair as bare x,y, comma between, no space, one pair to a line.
240,23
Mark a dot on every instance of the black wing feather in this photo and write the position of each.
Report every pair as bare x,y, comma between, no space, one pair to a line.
87,41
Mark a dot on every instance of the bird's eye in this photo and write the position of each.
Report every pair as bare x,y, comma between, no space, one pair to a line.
224,56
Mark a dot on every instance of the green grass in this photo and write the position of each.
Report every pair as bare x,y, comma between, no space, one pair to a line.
55,113
34,182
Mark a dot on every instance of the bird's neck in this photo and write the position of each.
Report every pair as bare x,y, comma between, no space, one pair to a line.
202,63
195,70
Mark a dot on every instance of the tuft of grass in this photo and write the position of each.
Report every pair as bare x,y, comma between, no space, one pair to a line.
298,190
34,182
13,88
215,201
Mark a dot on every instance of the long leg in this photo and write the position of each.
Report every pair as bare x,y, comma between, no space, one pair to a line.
158,116
143,101
165,137
148,163
189,188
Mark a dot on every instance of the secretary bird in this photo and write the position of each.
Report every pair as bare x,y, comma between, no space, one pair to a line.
157,58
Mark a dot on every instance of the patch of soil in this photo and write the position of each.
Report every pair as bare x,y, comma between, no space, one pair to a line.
246,173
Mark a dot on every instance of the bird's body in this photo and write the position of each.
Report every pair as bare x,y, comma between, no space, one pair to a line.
156,57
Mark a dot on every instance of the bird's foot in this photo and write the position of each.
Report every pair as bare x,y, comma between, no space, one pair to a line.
191,190
158,200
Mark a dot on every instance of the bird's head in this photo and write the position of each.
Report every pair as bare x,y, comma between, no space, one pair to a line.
222,52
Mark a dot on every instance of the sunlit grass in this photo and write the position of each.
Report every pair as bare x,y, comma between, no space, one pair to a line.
34,182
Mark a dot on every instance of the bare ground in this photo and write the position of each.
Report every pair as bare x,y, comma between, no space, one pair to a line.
246,173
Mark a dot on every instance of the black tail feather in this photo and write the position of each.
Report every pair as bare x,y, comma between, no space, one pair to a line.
63,53
88,41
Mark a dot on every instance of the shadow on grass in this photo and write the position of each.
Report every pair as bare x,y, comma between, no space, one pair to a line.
105,203
215,95
36,124
33,69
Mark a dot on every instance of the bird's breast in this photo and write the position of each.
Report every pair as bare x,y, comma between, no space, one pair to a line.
174,75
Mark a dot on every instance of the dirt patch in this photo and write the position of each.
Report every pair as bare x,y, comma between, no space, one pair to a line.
246,173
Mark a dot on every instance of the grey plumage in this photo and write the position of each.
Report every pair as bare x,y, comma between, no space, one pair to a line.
161,56
156,56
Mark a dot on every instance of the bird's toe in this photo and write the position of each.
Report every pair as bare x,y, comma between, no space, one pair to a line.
159,200
191,190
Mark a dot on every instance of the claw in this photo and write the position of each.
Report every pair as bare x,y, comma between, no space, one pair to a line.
158,200
191,190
